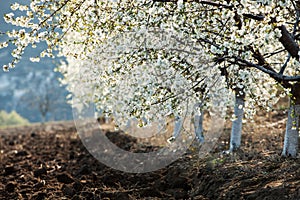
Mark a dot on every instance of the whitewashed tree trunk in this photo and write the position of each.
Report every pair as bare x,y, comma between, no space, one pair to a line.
236,129
290,147
198,125
177,126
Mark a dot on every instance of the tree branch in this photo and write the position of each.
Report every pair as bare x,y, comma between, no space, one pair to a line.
208,42
255,17
288,42
285,64
200,2
277,76
261,60
268,55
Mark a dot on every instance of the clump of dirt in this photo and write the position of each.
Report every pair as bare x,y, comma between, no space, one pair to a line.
50,162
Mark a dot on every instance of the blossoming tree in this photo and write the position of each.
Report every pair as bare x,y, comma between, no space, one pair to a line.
253,45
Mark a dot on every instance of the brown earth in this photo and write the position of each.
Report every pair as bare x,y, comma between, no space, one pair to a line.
50,162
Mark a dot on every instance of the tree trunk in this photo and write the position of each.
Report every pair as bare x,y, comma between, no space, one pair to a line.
198,124
177,126
236,129
290,146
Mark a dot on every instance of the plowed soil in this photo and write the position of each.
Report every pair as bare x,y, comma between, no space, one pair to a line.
49,162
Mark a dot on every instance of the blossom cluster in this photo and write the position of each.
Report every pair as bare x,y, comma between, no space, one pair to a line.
146,59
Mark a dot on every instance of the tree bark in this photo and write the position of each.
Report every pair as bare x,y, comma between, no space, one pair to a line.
236,129
290,146
289,42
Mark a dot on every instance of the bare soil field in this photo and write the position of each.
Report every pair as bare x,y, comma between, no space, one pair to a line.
50,162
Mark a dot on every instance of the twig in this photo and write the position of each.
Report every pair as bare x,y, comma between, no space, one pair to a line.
285,64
